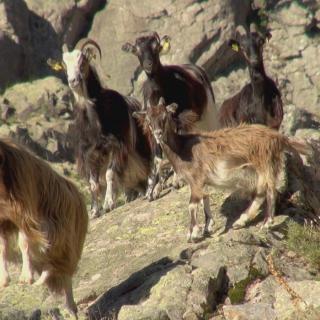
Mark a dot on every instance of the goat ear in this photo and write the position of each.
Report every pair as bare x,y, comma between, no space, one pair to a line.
139,114
162,102
130,48
234,45
172,108
55,65
165,45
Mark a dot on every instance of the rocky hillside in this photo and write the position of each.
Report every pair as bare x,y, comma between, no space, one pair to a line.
137,263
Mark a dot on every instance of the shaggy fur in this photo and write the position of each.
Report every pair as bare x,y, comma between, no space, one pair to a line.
50,215
108,139
248,157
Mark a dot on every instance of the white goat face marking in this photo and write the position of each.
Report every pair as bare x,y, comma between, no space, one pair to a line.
72,61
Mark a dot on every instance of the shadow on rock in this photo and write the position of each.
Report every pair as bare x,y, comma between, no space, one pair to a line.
131,291
232,208
37,40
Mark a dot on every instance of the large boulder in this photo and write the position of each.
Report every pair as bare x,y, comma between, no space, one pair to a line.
32,31
199,30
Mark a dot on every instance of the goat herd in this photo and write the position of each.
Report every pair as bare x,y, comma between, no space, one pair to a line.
235,148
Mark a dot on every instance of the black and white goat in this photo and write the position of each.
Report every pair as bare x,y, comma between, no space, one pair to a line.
108,137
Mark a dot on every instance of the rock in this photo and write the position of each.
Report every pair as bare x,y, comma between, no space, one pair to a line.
7,110
208,25
309,292
257,311
32,31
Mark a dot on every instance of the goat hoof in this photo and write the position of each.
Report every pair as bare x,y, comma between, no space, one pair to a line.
208,229
95,213
26,278
237,226
157,191
267,225
195,235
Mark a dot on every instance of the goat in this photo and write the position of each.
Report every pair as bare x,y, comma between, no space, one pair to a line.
247,157
186,84
260,100
108,138
48,213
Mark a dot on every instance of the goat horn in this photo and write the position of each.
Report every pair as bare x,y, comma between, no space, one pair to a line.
157,36
82,43
241,30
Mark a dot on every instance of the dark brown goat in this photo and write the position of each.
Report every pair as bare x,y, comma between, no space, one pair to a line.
260,100
185,84
247,158
108,138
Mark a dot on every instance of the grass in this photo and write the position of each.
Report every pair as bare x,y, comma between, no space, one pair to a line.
305,241
237,293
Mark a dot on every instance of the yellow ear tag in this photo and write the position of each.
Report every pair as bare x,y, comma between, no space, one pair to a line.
55,65
166,46
235,47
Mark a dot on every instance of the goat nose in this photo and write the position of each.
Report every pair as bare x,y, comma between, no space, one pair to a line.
73,82
147,64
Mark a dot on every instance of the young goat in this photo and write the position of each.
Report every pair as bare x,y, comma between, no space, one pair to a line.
248,157
50,216
108,138
260,100
184,84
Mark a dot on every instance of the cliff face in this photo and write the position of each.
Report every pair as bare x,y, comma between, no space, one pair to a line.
137,263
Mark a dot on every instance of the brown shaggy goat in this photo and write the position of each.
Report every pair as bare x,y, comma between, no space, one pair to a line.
247,157
48,213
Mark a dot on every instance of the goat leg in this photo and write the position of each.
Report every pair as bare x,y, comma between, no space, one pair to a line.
110,196
193,211
4,275
270,207
255,206
94,188
208,216
26,272
70,303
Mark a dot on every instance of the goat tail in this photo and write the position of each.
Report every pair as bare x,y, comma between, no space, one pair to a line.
298,148
302,147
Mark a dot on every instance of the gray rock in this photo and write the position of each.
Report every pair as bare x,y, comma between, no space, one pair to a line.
257,311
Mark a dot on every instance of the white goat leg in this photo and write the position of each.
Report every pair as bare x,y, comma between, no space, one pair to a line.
26,275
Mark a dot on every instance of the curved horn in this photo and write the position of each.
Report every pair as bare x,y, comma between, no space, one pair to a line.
82,43
241,30
157,36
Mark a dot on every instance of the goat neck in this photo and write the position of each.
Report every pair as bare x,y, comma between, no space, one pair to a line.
93,84
157,74
171,141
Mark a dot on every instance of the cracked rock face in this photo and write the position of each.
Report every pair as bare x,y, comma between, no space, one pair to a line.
137,263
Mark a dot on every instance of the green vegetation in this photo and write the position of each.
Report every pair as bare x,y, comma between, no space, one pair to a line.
305,240
237,293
